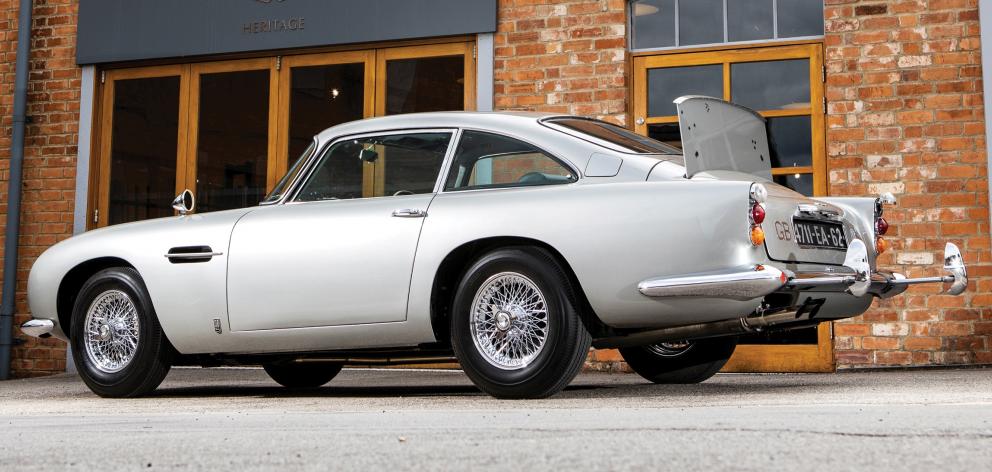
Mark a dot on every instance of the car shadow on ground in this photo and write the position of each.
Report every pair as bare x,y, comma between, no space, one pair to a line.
581,391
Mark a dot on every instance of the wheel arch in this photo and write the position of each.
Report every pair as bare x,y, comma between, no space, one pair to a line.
73,281
453,267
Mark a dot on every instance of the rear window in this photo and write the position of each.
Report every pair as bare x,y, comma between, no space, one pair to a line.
612,136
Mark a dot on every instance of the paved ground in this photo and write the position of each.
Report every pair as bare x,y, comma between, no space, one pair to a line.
236,419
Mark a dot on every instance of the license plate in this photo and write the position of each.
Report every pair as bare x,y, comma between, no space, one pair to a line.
820,234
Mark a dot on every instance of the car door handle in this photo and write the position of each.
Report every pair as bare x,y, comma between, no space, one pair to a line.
409,213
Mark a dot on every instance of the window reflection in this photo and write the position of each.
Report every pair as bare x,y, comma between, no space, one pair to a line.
653,23
749,20
667,84
425,84
797,18
233,140
701,22
789,141
321,97
770,85
802,183
143,148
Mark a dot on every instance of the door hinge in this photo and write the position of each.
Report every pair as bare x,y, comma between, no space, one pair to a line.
103,77
96,216
475,51
278,62
823,78
824,105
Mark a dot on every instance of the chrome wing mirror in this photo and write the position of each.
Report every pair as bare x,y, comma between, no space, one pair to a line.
184,202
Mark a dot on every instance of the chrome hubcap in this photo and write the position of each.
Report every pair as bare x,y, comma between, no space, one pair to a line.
671,349
111,326
509,320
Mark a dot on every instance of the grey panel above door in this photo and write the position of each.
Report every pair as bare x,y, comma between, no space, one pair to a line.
125,30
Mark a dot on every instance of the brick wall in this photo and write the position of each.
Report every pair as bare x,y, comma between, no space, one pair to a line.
50,153
906,116
562,57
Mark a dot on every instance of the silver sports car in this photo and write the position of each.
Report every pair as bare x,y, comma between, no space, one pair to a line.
511,242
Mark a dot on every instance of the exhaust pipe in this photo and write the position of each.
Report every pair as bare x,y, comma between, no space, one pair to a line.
788,318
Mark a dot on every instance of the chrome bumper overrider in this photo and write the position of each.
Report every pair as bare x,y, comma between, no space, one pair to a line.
38,328
751,282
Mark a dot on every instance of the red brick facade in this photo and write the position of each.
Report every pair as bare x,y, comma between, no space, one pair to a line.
905,115
562,57
49,155
904,87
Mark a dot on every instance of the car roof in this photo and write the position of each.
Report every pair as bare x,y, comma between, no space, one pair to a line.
441,119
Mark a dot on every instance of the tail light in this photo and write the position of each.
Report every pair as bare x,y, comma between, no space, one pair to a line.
756,214
882,226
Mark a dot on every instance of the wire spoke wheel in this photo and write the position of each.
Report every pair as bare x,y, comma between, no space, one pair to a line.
670,349
112,330
509,320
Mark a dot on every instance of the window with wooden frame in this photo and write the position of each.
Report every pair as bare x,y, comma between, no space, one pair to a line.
230,129
785,85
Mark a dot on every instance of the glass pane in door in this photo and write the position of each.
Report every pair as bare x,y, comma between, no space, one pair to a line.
668,83
143,148
425,84
233,140
321,97
771,85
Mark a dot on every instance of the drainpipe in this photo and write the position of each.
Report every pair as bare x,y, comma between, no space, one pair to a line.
13,230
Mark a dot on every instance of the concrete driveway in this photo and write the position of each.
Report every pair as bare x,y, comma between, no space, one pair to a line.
236,419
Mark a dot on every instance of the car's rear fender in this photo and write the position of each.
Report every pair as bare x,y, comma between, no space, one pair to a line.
612,235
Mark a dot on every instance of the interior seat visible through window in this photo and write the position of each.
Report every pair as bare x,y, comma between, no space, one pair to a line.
487,160
377,166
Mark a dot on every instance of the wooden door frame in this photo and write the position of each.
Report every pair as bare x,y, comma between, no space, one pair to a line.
465,49
279,97
105,127
280,164
757,357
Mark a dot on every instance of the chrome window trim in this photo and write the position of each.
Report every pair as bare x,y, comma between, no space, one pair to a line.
292,185
311,167
564,162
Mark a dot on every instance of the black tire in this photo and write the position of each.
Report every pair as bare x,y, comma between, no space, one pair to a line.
151,357
566,342
702,359
301,376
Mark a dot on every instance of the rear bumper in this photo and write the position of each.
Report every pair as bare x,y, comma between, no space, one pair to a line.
854,277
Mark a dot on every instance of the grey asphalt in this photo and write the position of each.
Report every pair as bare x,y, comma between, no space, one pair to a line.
236,419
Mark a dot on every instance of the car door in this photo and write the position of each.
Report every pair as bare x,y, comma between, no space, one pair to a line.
341,251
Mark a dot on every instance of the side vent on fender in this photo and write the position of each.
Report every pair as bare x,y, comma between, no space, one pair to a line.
191,254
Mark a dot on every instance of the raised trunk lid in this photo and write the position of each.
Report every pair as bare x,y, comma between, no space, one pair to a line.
718,135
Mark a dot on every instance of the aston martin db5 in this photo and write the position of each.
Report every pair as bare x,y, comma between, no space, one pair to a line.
510,242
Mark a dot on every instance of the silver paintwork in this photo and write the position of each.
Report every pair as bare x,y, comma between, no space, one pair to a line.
509,321
347,274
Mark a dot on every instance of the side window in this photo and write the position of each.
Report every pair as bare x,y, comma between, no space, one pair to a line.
485,160
377,166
